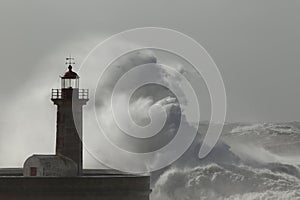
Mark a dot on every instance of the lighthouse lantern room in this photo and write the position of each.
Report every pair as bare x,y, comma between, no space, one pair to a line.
70,79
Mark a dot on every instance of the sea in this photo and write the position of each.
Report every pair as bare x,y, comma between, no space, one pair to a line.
251,161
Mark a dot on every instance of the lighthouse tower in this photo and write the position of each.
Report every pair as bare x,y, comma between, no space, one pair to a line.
69,100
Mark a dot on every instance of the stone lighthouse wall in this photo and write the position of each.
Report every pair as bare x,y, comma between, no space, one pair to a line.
69,126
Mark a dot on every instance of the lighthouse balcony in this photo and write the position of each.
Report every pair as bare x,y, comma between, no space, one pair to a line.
82,94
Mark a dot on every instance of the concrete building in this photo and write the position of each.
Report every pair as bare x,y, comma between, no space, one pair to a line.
61,176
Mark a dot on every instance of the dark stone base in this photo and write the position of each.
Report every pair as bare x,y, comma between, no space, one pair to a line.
75,188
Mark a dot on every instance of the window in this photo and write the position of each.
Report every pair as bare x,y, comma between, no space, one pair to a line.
69,83
33,171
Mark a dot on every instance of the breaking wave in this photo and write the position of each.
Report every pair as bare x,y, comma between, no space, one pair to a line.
245,164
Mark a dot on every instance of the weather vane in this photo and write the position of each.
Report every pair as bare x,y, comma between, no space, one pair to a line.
70,60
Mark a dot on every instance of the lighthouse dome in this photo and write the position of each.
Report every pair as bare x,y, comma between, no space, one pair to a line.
70,74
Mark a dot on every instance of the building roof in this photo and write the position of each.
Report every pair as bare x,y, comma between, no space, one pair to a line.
51,158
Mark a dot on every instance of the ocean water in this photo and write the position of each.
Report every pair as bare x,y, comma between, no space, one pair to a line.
251,161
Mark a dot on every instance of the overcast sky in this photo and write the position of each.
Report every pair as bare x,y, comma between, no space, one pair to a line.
255,44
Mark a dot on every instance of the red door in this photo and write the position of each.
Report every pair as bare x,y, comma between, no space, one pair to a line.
33,171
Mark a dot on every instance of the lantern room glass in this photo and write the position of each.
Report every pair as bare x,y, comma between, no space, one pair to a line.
69,83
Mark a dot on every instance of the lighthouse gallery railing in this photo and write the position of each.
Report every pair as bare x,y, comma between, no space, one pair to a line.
82,94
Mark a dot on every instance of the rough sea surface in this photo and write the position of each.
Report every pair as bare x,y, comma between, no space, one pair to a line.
251,162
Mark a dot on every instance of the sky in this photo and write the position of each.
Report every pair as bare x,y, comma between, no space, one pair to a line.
255,45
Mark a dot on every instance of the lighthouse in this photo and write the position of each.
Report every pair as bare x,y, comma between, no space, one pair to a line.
60,176
67,160
70,100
